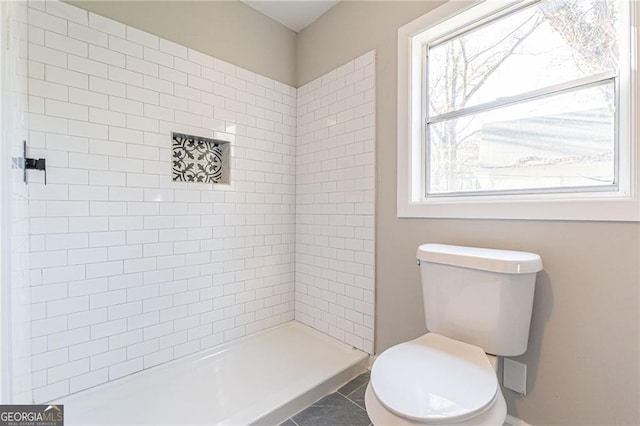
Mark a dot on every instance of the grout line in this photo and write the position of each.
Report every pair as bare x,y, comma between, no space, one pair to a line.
357,389
294,422
355,378
353,402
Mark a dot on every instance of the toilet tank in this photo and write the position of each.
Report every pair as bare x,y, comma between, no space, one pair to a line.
479,296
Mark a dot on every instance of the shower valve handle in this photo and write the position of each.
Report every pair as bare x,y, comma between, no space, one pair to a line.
36,164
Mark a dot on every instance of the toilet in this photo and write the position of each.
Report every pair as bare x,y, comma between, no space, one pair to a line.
478,304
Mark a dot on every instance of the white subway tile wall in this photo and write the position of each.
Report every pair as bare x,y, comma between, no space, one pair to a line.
335,203
14,201
129,269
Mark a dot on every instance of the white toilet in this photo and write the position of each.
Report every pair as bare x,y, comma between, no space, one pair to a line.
477,305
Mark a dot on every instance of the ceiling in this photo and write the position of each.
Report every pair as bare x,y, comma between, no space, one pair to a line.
294,14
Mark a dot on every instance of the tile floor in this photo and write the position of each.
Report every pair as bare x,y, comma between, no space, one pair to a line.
345,407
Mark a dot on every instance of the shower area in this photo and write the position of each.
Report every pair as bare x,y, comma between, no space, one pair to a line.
191,237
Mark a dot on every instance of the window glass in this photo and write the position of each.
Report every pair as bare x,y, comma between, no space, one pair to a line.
560,141
547,43
525,102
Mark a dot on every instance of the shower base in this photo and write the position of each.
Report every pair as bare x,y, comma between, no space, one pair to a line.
261,379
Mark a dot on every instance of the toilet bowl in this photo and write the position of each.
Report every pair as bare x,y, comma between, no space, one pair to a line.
434,380
477,302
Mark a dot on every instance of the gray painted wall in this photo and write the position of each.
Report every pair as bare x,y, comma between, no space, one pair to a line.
227,30
583,352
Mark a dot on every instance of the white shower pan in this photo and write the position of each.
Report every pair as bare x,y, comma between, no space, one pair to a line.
260,379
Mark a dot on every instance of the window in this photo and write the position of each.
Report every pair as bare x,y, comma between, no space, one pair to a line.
518,110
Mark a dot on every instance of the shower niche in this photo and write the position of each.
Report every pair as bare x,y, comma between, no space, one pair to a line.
199,159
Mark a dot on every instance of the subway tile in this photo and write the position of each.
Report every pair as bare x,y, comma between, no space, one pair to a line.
125,368
160,58
88,380
66,110
66,77
106,56
143,320
141,123
141,237
67,306
142,37
107,25
124,223
125,339
88,98
125,105
142,66
47,21
108,358
159,357
67,208
40,122
125,310
66,241
49,359
126,47
106,208
44,293
89,35
99,177
142,95
65,44
173,49
36,70
48,326
125,76
84,256
110,118
109,298
46,55
187,66
186,92
87,66
140,265
46,225
67,338
66,371
51,392
103,269
86,287
105,239
107,87
109,328
158,85
82,160
68,12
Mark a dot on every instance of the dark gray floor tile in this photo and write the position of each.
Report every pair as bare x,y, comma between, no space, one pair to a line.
357,396
332,410
288,422
354,384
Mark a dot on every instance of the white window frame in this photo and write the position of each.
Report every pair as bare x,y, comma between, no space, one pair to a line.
621,204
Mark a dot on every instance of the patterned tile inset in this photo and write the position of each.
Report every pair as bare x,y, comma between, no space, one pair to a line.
198,159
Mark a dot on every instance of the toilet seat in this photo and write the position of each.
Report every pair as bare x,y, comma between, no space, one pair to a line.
434,380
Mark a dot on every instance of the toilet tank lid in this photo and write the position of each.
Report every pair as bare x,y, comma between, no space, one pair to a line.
501,261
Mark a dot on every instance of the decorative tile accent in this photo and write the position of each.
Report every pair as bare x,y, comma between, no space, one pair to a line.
199,159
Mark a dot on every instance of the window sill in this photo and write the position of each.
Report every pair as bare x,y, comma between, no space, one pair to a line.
602,209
